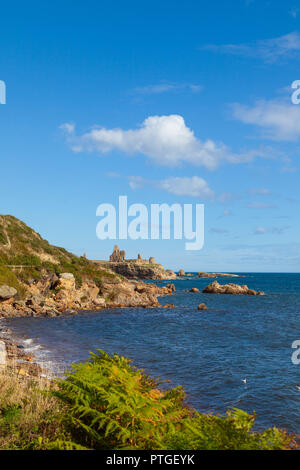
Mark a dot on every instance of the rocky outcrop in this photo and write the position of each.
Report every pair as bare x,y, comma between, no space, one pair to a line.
65,296
194,290
202,274
13,357
170,274
201,307
7,292
235,289
181,272
132,270
3,355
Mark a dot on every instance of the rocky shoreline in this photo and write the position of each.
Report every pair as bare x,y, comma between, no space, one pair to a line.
183,275
55,295
208,275
137,268
14,357
135,271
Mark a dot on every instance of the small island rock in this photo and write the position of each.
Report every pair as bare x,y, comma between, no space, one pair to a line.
202,307
234,289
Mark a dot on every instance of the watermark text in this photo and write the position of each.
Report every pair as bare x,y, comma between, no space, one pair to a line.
160,221
2,92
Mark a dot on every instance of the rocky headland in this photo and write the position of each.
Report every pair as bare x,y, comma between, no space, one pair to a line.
201,274
37,278
183,274
138,268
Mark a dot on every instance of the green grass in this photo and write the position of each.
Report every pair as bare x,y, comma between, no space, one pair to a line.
8,277
30,250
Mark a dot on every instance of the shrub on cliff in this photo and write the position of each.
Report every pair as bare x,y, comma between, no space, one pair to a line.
113,405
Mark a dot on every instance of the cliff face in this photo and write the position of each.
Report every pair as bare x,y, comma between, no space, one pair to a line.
138,268
132,270
37,278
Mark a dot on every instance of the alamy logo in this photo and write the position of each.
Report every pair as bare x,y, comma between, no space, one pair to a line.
2,92
162,221
295,356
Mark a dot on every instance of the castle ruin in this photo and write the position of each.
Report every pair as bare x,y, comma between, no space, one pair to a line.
119,256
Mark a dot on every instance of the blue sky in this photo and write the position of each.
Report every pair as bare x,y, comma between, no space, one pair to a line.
185,102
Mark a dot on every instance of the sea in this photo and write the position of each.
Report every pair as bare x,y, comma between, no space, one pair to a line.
237,353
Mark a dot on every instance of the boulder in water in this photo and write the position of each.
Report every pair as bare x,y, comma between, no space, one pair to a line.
234,289
201,307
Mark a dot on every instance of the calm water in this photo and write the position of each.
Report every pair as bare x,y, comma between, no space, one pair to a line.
208,352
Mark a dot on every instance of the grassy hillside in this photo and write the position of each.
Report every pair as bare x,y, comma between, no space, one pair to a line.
25,257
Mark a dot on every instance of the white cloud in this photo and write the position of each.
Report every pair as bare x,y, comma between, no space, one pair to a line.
269,50
67,127
226,213
260,191
167,87
218,230
180,186
279,120
260,205
260,230
294,12
226,198
289,169
274,230
113,174
195,186
164,139
137,182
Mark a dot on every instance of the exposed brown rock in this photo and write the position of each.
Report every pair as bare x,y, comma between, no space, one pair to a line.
7,292
66,297
202,307
133,270
194,289
171,287
235,289
202,274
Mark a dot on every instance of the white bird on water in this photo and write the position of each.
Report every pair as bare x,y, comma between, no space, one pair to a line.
298,388
245,381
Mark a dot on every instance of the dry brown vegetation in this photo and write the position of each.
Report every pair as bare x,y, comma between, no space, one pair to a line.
29,414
